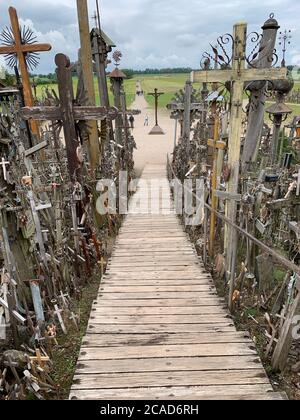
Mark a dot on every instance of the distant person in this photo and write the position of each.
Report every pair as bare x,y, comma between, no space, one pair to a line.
146,122
131,120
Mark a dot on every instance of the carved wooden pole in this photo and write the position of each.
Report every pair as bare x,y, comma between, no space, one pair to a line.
88,76
187,118
258,97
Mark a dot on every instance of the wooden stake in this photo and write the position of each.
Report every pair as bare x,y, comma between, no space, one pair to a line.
88,76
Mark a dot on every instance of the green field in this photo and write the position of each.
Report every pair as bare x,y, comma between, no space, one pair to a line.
167,83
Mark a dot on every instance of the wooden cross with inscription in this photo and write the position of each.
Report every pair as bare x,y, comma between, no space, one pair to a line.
20,49
237,75
69,114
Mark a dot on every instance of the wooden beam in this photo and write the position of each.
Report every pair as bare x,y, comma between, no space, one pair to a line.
249,75
88,76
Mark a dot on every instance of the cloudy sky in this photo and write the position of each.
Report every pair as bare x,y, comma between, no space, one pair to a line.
152,33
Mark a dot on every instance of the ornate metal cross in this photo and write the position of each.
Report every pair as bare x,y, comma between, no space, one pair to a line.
16,49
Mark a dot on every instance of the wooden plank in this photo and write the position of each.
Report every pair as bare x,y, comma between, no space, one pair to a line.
168,310
165,275
199,364
195,302
188,350
109,288
135,380
107,340
153,295
232,392
156,319
153,282
159,328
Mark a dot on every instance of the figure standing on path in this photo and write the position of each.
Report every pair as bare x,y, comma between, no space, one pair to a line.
131,120
146,122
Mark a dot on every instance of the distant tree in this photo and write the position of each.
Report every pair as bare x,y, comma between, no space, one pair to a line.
10,79
129,73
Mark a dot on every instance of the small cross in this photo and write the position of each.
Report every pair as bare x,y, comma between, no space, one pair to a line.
3,163
74,318
57,312
39,359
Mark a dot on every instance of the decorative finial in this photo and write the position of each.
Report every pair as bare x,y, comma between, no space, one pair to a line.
117,55
272,15
284,40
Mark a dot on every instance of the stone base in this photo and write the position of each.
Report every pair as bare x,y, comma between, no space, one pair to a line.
156,131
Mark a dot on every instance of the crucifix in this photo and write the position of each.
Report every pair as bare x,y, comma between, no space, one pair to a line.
156,130
237,76
183,110
68,114
19,47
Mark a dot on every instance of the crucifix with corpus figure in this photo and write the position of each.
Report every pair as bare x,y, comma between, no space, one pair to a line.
156,130
237,75
19,48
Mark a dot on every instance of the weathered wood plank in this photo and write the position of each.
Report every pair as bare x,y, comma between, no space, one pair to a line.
134,380
168,310
188,350
158,328
107,340
230,392
157,295
156,319
195,302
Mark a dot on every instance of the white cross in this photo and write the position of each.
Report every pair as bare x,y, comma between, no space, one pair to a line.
3,163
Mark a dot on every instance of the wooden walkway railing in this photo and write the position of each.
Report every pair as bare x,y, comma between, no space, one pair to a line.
158,329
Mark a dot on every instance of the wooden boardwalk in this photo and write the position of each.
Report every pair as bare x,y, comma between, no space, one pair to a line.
158,329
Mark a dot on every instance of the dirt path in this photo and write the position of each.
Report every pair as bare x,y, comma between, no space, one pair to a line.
151,149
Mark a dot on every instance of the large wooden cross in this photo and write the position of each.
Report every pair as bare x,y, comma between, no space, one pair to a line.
21,50
156,129
237,75
68,113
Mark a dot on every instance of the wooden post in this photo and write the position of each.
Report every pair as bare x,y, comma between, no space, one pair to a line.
258,97
214,184
187,118
285,339
235,132
88,76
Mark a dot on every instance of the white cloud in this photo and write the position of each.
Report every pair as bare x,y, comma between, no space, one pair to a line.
152,33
